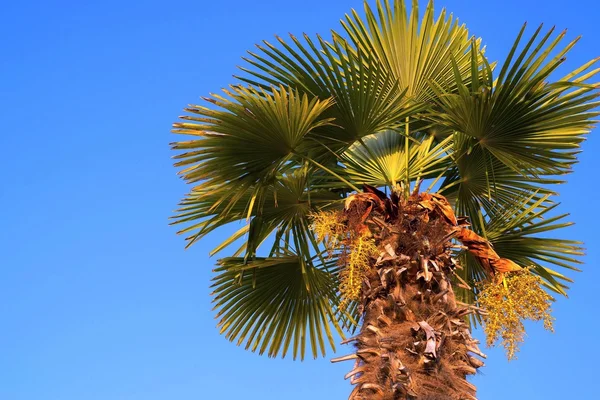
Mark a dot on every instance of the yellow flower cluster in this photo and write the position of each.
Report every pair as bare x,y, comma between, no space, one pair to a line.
357,251
518,297
328,228
357,264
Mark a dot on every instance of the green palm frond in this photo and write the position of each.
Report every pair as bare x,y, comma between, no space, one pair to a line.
277,304
250,138
284,203
367,98
519,232
380,160
516,233
478,182
243,147
516,133
521,118
414,51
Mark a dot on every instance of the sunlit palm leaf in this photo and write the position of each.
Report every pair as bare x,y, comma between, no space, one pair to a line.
276,304
285,202
513,131
515,233
479,182
532,125
367,97
380,160
414,51
253,134
243,147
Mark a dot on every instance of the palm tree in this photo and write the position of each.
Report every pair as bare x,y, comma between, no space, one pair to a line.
395,187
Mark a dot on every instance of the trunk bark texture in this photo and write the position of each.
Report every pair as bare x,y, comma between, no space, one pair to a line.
414,343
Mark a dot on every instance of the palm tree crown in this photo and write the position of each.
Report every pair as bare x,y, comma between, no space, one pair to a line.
393,101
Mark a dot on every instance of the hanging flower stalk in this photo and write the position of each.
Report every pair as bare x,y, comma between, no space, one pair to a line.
509,301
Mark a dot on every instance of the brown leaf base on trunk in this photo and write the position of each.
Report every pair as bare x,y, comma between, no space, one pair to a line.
414,343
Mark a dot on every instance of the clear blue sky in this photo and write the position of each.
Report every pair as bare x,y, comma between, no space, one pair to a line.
98,299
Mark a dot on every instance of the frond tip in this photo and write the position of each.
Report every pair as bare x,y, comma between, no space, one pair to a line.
518,297
276,304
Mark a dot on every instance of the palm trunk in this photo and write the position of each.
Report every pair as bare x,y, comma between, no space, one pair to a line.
414,343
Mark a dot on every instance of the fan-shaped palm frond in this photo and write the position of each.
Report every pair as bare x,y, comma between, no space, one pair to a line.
277,302
516,133
478,182
254,134
531,125
515,233
242,149
515,230
414,51
367,97
286,202
380,160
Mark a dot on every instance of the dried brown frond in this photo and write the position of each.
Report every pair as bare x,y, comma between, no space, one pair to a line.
508,303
